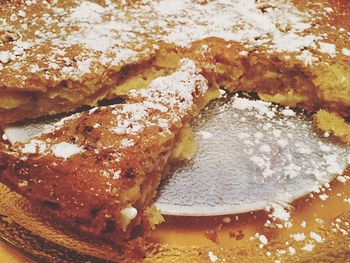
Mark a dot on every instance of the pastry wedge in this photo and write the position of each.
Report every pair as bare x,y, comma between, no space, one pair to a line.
98,171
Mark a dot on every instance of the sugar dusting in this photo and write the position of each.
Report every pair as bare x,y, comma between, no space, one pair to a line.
171,95
65,150
104,36
162,105
212,257
279,213
265,157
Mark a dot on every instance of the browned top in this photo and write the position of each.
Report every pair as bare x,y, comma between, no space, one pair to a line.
43,44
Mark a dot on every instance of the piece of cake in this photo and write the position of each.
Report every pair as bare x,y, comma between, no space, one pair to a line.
98,171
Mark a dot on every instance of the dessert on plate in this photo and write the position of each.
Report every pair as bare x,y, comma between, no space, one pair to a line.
98,170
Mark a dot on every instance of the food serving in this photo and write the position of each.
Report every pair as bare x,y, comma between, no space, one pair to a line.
98,170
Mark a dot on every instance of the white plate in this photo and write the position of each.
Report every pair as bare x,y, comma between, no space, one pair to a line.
251,155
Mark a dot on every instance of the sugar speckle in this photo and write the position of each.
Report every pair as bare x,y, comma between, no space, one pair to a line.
324,197
129,212
65,150
316,237
116,175
125,143
34,146
291,251
4,57
288,112
328,48
303,224
346,52
308,247
263,240
212,257
298,236
21,13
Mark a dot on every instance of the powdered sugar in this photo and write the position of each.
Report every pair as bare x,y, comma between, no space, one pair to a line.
328,48
162,105
172,95
65,150
4,57
87,12
316,237
213,258
104,32
298,236
125,143
261,106
242,21
308,247
116,175
346,52
34,146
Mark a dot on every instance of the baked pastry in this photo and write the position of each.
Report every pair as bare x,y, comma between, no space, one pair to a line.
98,171
57,56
